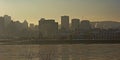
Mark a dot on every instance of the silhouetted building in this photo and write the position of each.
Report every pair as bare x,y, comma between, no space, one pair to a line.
17,29
65,23
18,26
32,26
2,25
48,28
1,22
75,24
106,34
7,20
25,25
107,24
85,25
33,31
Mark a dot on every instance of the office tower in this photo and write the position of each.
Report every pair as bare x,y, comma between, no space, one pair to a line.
85,25
48,28
17,25
25,24
1,24
75,24
7,20
65,23
32,26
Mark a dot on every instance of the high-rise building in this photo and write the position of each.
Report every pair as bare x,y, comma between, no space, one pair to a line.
1,24
85,25
18,25
75,24
65,23
25,25
7,20
48,28
32,26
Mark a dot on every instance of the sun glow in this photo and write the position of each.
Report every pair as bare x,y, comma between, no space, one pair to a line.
33,10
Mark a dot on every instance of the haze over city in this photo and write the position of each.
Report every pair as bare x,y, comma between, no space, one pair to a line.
59,29
33,10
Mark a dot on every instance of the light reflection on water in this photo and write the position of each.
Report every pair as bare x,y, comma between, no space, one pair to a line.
60,52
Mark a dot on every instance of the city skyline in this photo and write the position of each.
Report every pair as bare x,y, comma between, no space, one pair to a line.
70,20
94,10
49,29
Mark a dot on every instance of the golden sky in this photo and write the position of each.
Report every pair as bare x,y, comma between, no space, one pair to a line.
33,10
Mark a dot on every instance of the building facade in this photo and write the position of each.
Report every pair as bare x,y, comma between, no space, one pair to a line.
65,23
48,28
75,24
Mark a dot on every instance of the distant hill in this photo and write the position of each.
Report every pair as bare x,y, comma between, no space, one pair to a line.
106,24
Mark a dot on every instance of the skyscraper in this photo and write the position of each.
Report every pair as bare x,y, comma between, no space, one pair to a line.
25,24
65,23
32,26
75,24
85,25
1,24
48,28
7,20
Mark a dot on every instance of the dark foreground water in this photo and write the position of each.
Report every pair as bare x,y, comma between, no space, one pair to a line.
60,52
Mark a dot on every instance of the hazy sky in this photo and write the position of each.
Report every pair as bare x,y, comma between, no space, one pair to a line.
33,10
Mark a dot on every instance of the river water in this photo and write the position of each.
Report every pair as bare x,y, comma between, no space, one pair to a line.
60,52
